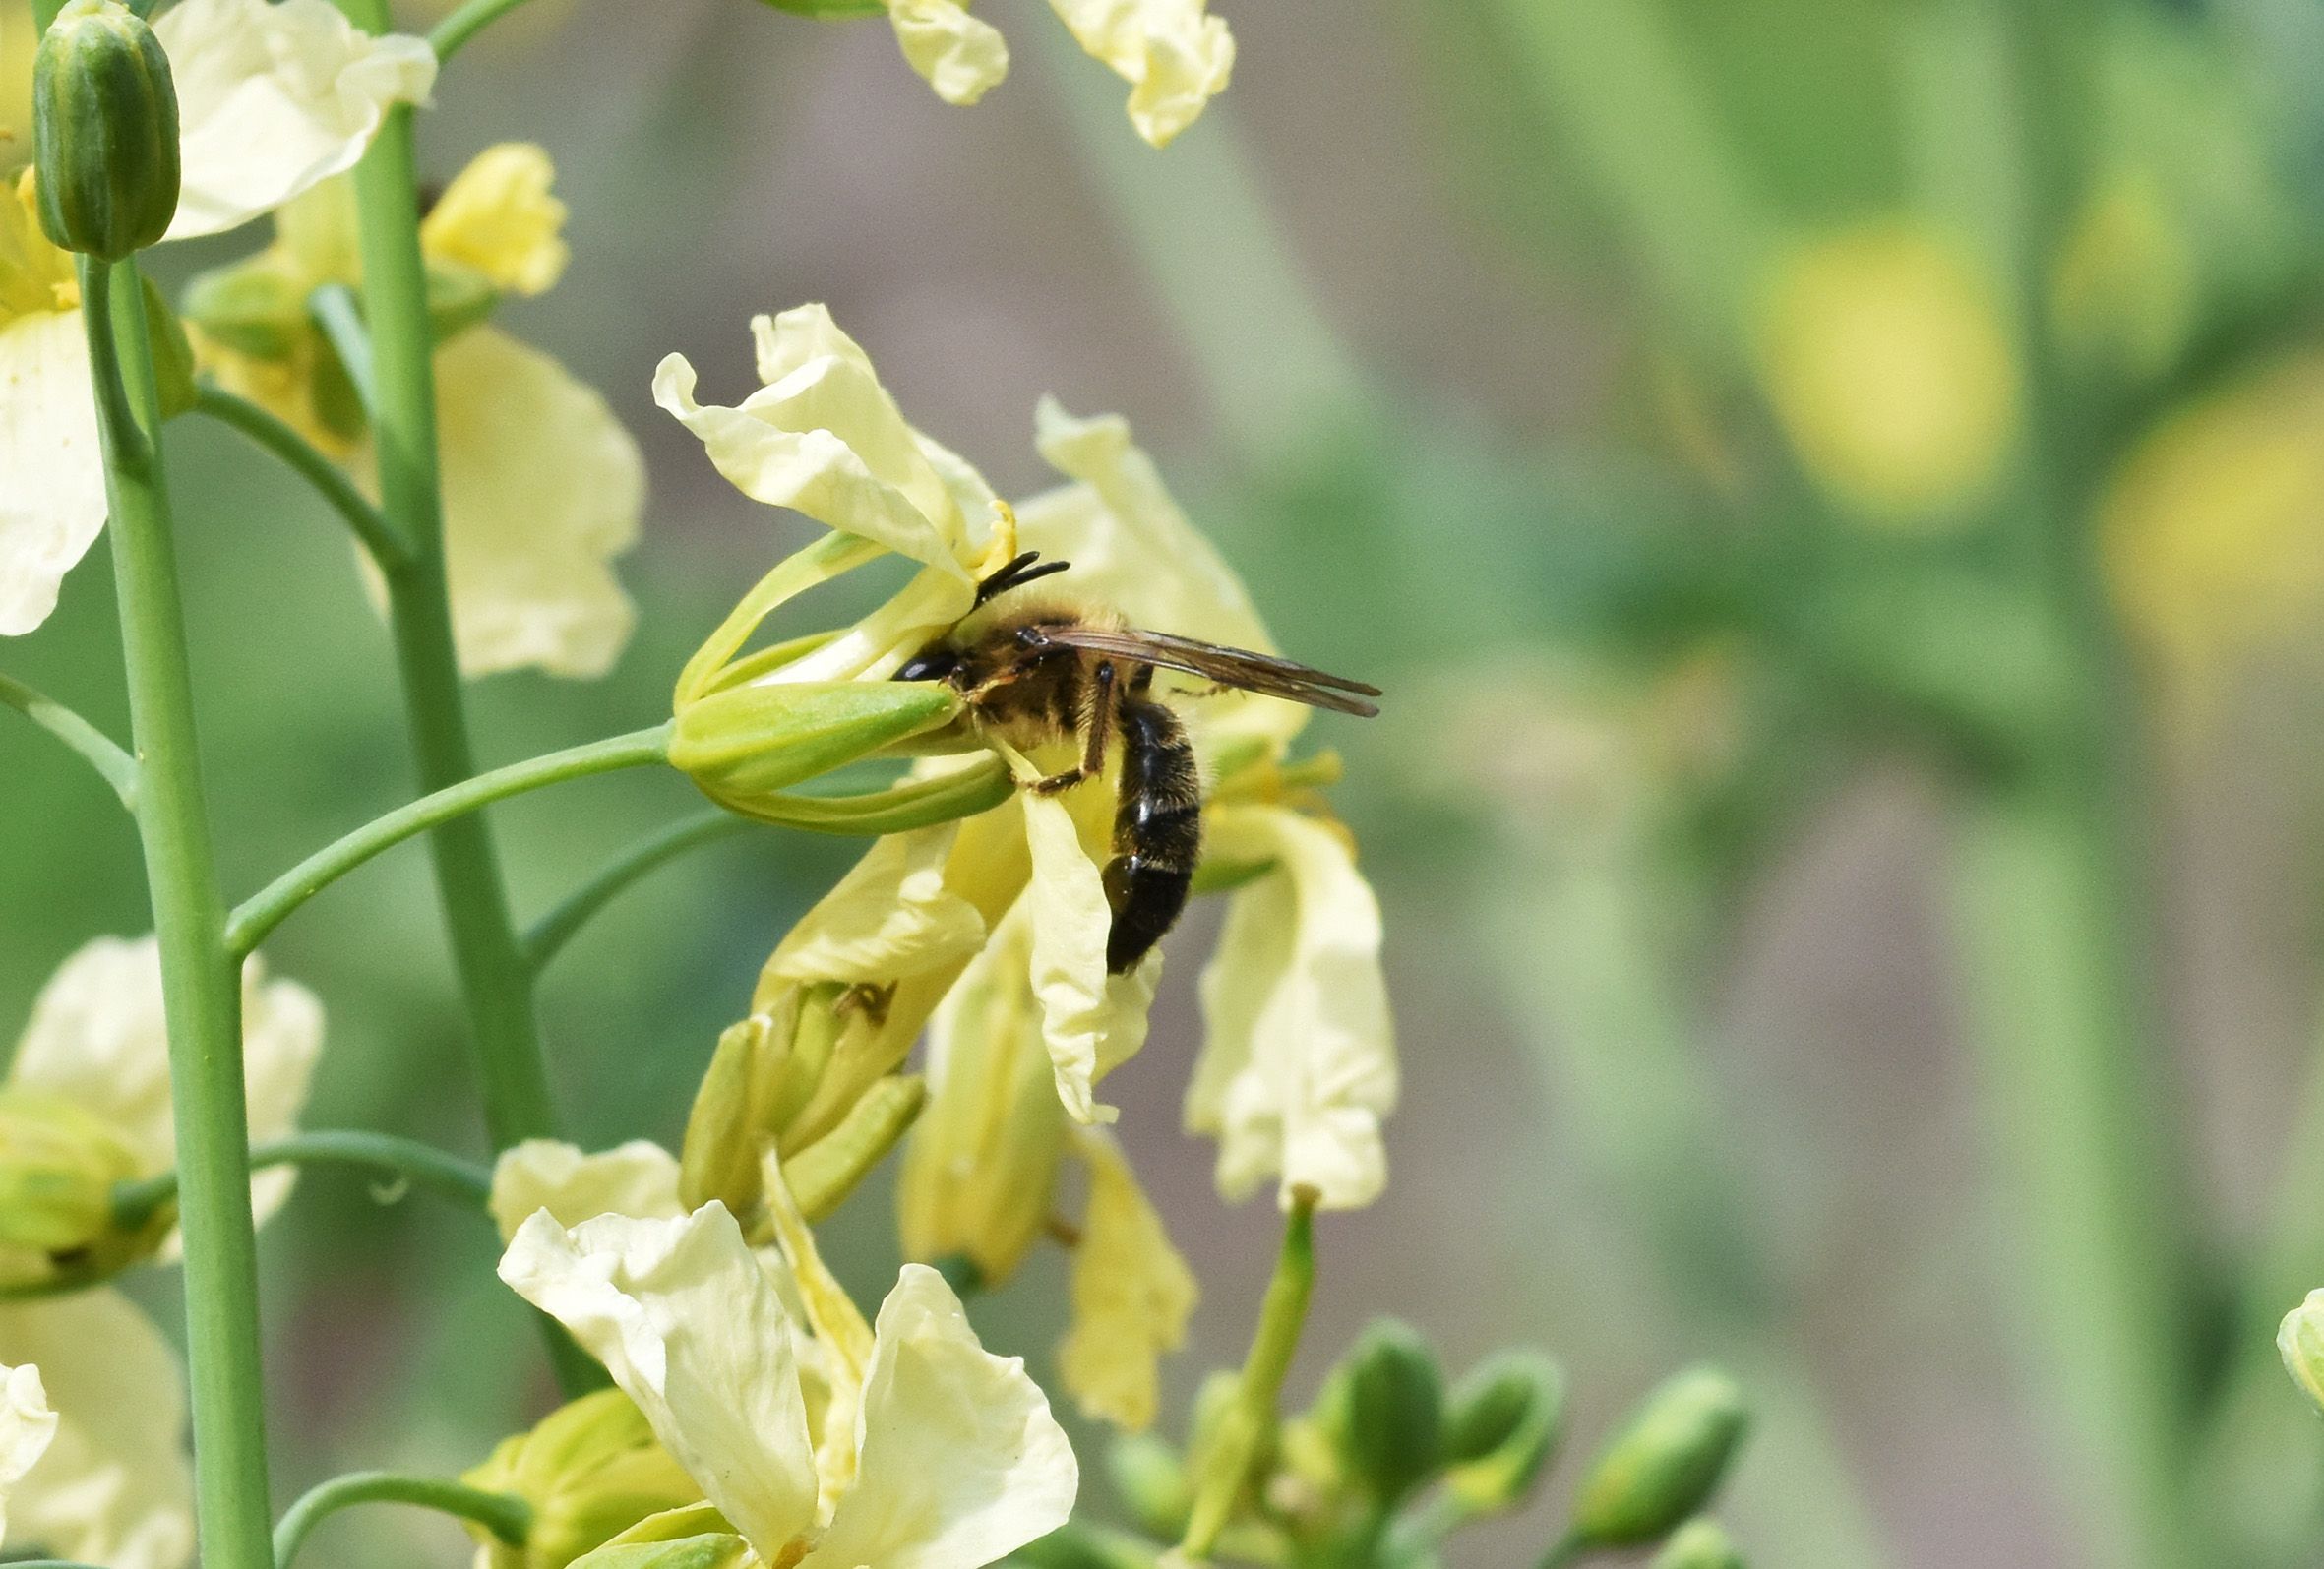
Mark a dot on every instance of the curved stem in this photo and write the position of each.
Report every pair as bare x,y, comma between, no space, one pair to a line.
422,1164
99,750
553,930
264,910
329,481
201,984
1281,1316
506,1515
339,314
452,33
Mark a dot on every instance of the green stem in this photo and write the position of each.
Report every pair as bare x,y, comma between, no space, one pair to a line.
96,749
339,314
549,935
1281,1317
329,481
408,1160
200,980
505,1515
264,910
452,33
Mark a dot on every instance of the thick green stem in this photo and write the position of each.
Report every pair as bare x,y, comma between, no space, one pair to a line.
200,981
329,481
264,910
506,1515
549,935
407,1160
1226,1468
96,749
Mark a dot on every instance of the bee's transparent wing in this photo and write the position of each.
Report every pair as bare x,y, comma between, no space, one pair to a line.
1238,668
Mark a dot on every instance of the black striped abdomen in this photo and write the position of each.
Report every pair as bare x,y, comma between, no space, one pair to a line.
1157,831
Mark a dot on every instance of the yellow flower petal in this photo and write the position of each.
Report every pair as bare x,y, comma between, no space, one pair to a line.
1175,57
1299,1066
97,1037
638,1178
27,1427
961,1461
1091,1021
957,55
1133,1294
498,218
53,504
273,99
890,917
114,1487
691,1328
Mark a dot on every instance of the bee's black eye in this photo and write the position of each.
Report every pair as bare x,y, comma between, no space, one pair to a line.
930,664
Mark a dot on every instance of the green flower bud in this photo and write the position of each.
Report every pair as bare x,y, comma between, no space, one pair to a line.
591,1471
1387,1401
1151,1478
1664,1462
762,1075
752,740
1698,1544
2302,1340
458,297
256,307
822,1175
1504,1420
104,118
58,1167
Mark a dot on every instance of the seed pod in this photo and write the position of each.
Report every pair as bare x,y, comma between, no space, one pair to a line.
1664,1462
104,118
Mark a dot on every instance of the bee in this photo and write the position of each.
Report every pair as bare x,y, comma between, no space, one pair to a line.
1032,673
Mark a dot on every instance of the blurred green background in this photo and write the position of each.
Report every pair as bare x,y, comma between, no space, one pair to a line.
1835,490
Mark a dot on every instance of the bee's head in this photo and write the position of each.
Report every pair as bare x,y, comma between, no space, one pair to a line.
935,662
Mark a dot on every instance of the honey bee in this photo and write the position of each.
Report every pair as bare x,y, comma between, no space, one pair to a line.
1033,672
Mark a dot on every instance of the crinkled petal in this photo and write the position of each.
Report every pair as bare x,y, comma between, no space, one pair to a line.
1175,57
638,1180
1299,1066
98,1037
52,502
115,1488
959,56
498,218
274,99
1133,1294
542,491
689,1325
27,1428
890,917
1091,1021
961,1462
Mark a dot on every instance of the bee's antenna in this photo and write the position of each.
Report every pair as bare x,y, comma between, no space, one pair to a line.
1016,575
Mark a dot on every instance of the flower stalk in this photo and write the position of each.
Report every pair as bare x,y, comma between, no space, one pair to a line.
96,749
404,1160
507,1517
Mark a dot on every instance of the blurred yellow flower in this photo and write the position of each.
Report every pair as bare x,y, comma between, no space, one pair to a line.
499,219
2125,292
27,1428
18,39
1133,1294
1889,363
2213,530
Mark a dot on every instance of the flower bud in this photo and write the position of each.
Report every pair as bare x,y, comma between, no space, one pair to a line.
591,1470
1387,1403
764,1071
1698,1544
2302,1340
1664,1462
104,116
1151,1479
1503,1422
715,1550
58,1167
822,1175
748,742
256,307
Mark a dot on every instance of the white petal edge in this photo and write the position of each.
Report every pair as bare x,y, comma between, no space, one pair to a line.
638,1178
1091,1021
53,504
27,1428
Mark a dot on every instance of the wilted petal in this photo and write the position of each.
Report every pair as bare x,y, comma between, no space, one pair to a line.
27,1427
542,490
959,56
274,99
890,917
1300,1064
53,504
1133,1294
98,1037
1174,58
689,1325
114,1487
638,1180
961,1462
498,218
1091,1021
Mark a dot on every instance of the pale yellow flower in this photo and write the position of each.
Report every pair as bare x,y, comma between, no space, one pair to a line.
1133,1294
1893,369
53,505
961,57
27,1428
956,1458
499,219
547,1175
114,1487
1175,56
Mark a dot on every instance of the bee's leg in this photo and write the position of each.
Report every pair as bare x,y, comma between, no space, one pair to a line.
1097,729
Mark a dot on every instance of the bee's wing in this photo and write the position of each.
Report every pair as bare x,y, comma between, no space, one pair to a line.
1229,667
